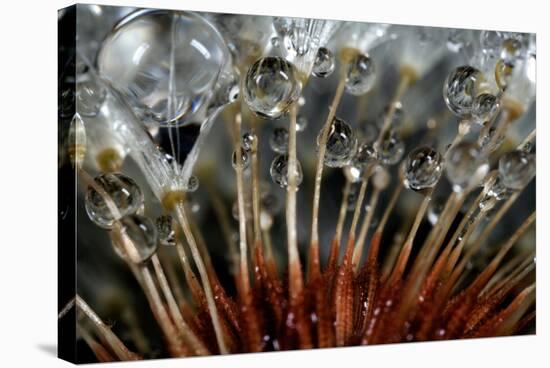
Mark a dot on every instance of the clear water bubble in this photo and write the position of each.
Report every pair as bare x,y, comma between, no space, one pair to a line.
90,96
248,141
390,149
435,209
245,159
279,171
423,168
461,88
165,63
516,169
192,184
324,63
360,75
301,123
466,166
165,230
366,155
485,107
341,143
121,189
278,140
271,86
137,240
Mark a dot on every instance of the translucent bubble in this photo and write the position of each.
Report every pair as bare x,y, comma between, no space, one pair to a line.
365,155
361,75
122,190
423,168
271,86
301,123
516,169
466,166
278,140
341,143
511,51
165,63
324,63
165,230
397,118
137,240
435,208
192,184
391,148
245,159
279,171
90,96
248,141
485,107
461,88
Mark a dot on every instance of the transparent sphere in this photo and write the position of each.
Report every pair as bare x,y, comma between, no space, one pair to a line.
245,159
341,143
165,230
271,86
192,184
366,154
466,166
122,190
324,63
485,107
423,168
165,63
137,240
360,75
301,123
248,140
516,169
461,88
279,171
390,149
90,96
278,140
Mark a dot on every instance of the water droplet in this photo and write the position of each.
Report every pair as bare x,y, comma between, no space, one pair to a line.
435,208
301,123
90,96
122,190
516,169
136,59
245,159
192,184
77,141
248,141
324,63
137,239
466,166
271,86
460,90
485,107
423,168
361,75
278,140
279,171
391,148
341,143
165,230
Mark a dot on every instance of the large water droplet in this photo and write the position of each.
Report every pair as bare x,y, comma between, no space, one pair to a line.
324,63
271,86
460,89
341,143
423,168
516,169
360,75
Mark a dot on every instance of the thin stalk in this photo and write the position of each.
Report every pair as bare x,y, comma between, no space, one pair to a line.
359,245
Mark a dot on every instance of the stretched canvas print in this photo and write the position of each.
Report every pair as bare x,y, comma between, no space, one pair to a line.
240,183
